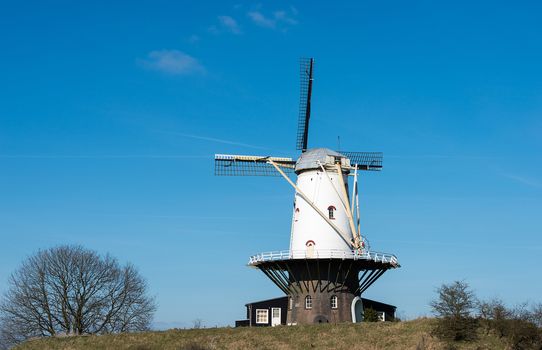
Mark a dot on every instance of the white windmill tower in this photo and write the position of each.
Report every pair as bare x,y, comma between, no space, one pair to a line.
328,264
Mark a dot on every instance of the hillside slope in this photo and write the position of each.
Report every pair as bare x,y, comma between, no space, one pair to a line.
401,335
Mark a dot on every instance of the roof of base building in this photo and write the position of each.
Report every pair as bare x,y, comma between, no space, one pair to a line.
377,302
266,300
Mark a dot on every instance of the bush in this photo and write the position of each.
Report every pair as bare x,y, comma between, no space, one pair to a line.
456,329
518,326
536,315
370,315
521,334
492,315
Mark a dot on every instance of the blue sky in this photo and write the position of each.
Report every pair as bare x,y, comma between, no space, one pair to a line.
110,115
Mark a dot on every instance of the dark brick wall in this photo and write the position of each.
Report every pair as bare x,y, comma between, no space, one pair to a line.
321,311
322,280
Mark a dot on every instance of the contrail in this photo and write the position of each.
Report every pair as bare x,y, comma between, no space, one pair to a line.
212,139
523,180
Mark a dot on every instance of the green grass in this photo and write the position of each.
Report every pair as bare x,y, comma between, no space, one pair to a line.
379,335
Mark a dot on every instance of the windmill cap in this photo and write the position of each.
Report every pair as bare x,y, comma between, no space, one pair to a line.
312,158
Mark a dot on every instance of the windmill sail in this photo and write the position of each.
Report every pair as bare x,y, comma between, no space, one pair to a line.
365,160
241,165
306,70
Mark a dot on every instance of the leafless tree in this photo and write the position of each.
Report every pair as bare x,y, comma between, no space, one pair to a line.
454,300
198,322
70,290
454,310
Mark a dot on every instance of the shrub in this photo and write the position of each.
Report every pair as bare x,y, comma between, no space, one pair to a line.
456,329
492,315
536,315
518,326
521,334
370,315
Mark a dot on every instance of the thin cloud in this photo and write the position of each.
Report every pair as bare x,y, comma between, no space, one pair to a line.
524,180
230,24
280,18
259,19
172,62
213,30
193,38
212,139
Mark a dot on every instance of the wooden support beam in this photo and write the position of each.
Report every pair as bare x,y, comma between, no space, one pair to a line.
347,207
306,199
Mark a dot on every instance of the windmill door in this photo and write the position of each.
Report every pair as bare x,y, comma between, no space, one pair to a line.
310,249
275,316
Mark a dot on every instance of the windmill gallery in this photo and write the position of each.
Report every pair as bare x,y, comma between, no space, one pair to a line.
329,263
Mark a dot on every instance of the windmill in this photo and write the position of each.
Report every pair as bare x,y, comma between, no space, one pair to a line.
328,264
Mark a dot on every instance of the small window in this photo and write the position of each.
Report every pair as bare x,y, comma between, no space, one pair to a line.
262,316
296,214
308,302
333,302
331,211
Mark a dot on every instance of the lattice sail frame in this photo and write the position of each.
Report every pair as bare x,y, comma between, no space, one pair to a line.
242,165
305,90
371,161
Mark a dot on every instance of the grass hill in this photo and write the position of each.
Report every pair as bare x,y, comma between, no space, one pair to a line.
379,335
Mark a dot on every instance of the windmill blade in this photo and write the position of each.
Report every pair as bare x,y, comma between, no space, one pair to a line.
306,69
365,160
239,165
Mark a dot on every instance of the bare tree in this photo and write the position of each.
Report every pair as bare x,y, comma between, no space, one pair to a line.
454,300
454,308
198,322
72,290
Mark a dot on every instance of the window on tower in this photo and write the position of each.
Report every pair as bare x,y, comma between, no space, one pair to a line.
333,302
296,214
308,302
331,211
